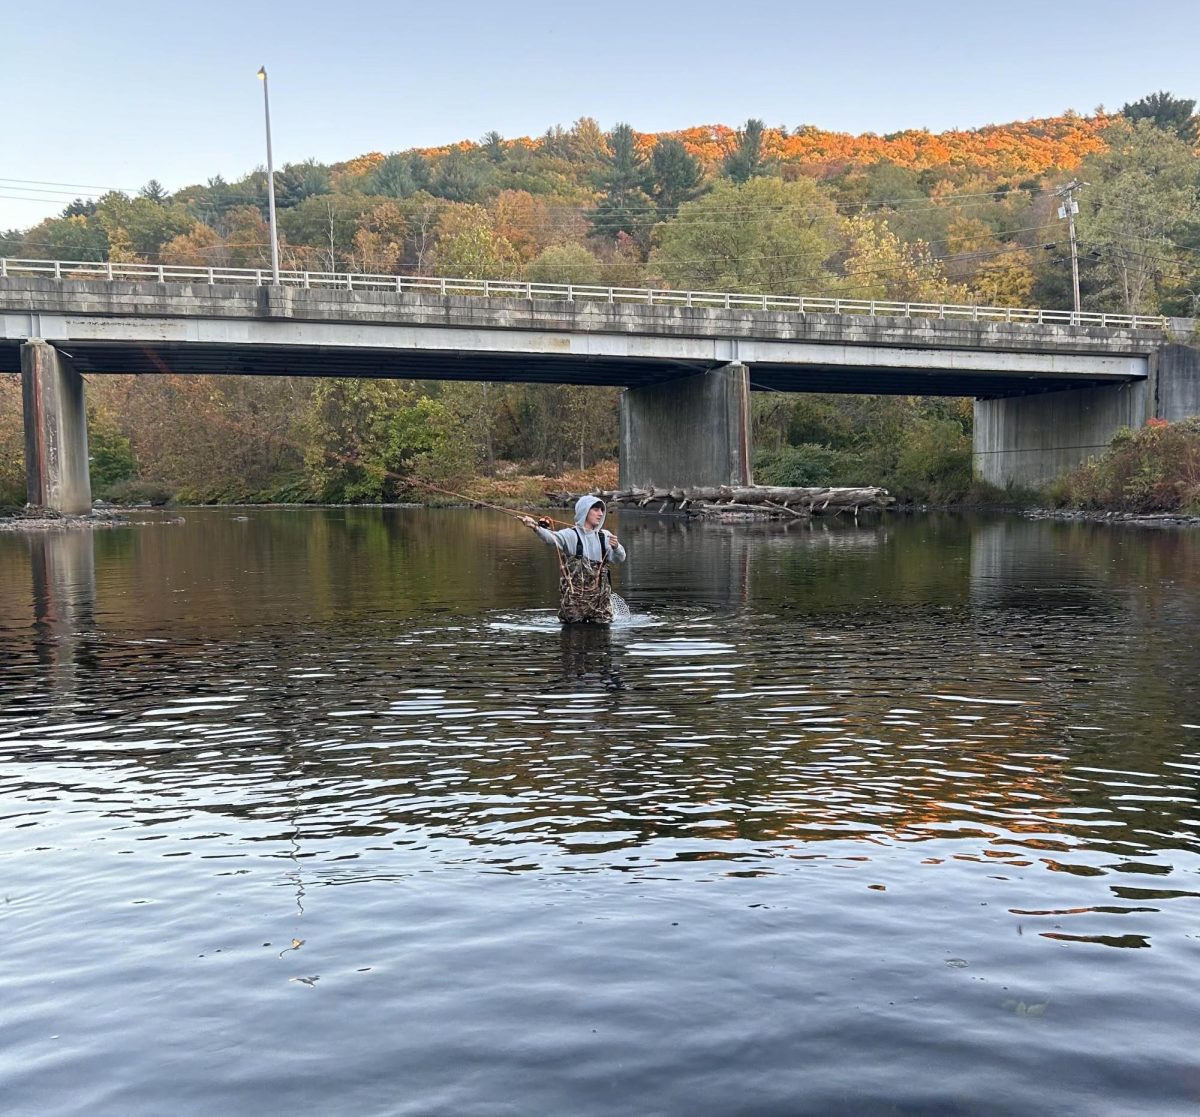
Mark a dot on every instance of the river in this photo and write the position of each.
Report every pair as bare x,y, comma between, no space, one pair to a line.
320,812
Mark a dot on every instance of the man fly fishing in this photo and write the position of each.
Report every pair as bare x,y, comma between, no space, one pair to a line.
584,554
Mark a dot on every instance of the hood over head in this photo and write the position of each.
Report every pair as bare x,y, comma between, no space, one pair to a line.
583,506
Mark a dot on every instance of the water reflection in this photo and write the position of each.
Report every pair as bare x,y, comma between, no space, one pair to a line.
63,573
587,655
843,766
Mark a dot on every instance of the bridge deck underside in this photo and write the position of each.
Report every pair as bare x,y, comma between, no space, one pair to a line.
91,357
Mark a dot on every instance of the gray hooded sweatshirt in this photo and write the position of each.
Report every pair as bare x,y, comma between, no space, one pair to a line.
567,541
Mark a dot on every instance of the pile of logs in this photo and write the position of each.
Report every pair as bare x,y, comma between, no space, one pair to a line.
758,501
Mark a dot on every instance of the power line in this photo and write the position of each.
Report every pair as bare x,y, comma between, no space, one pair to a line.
696,261
737,209
48,182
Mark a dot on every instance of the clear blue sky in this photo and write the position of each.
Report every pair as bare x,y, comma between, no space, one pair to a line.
113,94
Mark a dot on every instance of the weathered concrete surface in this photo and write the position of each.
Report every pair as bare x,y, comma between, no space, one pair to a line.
67,299
149,327
1048,395
56,448
1177,382
1029,440
692,431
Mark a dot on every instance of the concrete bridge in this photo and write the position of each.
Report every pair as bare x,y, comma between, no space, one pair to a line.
1050,387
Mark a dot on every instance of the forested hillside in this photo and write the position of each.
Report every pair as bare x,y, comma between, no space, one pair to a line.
964,216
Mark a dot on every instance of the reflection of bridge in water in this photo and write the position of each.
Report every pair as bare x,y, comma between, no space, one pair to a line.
892,660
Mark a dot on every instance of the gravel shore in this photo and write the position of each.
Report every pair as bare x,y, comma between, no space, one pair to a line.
40,519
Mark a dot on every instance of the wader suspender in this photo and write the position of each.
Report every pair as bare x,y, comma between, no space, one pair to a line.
579,544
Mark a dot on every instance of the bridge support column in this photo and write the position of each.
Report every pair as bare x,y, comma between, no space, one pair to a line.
56,450
1030,440
691,431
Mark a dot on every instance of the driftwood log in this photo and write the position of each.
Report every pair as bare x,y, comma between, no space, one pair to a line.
763,501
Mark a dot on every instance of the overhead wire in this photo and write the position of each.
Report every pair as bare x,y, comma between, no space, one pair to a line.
700,260
732,213
737,209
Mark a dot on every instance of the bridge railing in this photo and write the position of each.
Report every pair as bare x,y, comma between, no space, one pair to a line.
569,292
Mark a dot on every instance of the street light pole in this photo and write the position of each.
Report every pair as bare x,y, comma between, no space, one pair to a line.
262,76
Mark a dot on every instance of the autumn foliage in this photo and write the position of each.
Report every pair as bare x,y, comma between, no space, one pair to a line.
1003,152
962,216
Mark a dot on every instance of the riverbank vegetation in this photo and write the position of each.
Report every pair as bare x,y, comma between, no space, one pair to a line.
962,216
1154,469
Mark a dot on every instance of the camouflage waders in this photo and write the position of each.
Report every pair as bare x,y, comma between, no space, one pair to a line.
584,586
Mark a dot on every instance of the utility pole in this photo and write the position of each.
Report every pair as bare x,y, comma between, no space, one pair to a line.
1068,210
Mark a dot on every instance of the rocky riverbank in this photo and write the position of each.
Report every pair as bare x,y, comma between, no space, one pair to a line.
43,519
1135,519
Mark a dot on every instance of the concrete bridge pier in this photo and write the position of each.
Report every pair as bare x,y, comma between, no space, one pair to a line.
1031,440
690,431
56,448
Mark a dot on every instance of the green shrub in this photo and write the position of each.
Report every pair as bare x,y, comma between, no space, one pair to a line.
934,462
110,455
1153,469
796,466
137,492
12,492
984,494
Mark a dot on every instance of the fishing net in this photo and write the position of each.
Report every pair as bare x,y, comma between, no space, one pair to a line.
620,611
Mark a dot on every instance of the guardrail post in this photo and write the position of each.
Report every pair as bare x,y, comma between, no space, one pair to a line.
3,267
649,296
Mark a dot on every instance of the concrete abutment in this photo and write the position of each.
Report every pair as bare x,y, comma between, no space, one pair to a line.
1031,440
56,446
691,431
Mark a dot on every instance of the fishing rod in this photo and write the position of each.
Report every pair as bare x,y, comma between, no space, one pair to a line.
594,582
